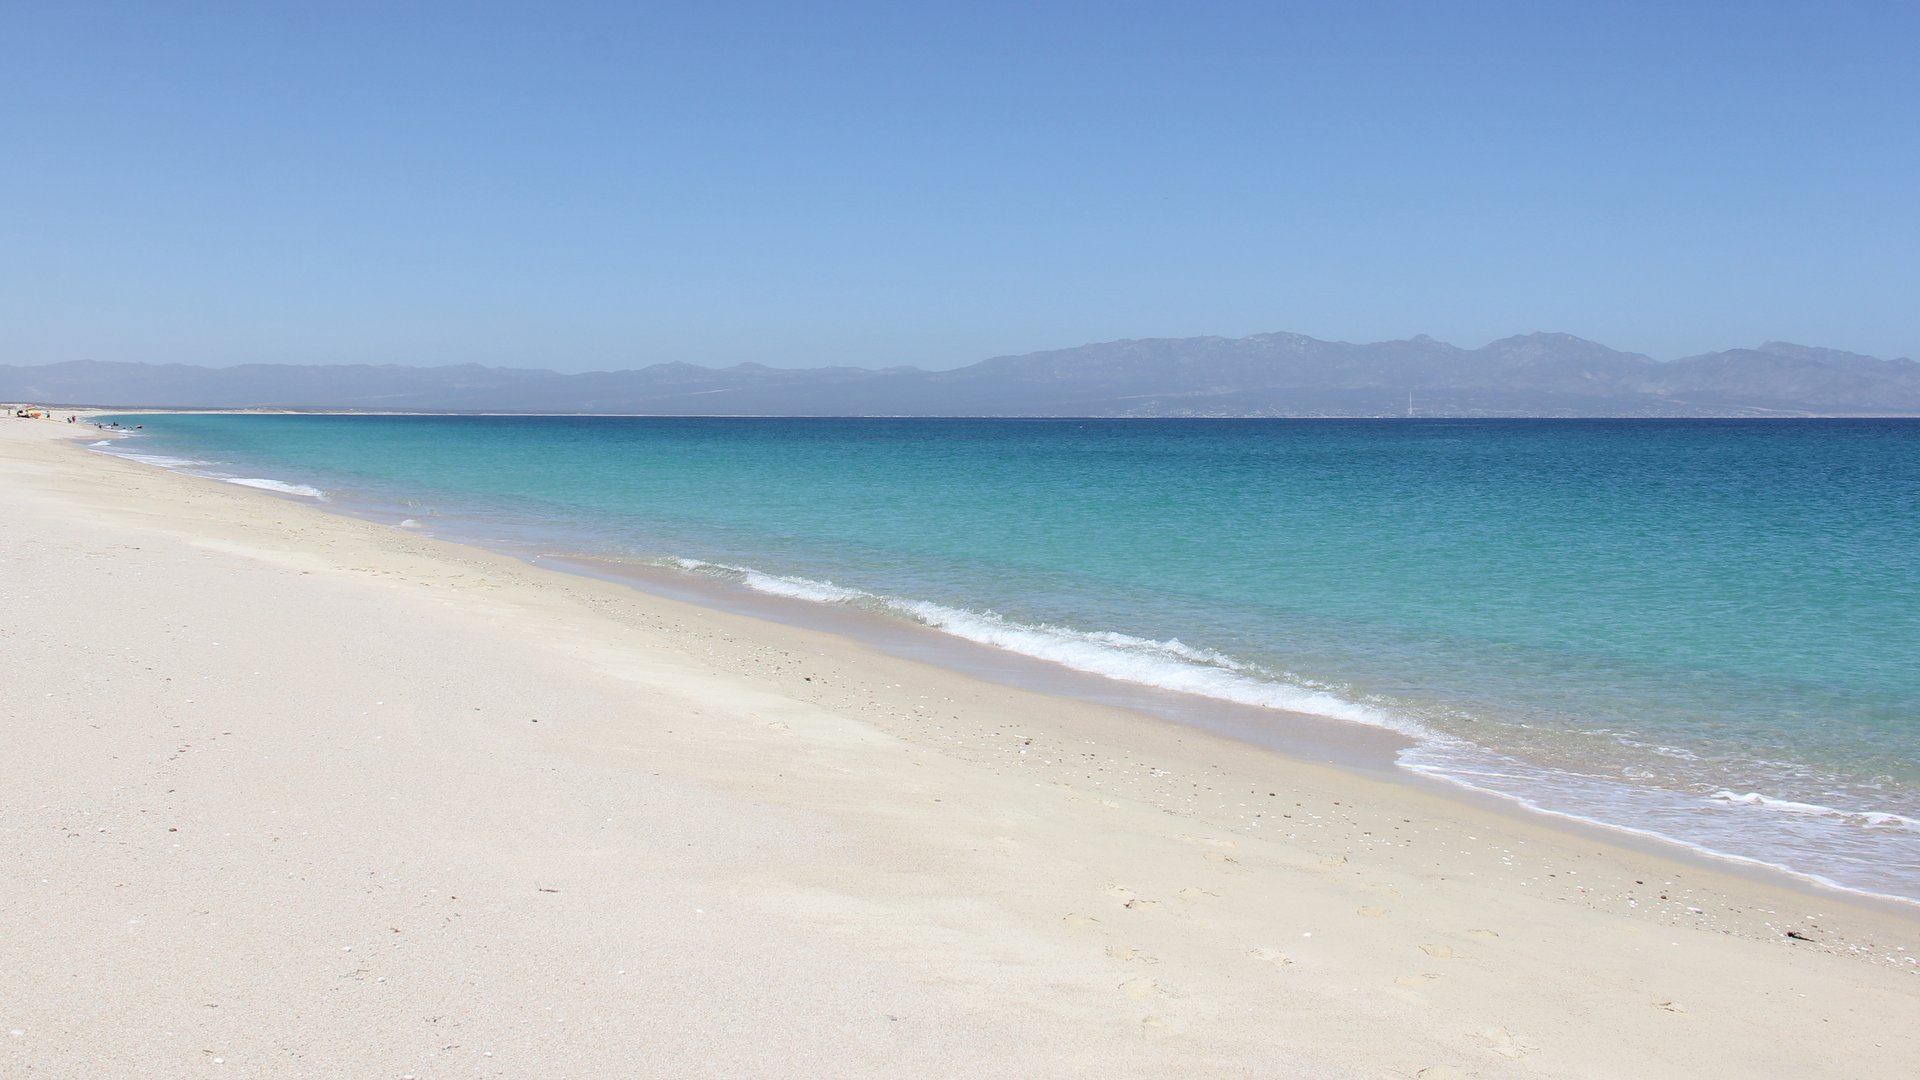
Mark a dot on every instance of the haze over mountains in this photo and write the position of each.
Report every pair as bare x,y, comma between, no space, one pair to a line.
1276,374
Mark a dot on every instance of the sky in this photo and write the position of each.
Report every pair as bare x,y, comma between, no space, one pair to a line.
586,186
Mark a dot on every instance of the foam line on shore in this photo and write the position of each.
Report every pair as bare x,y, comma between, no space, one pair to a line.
209,469
1164,665
281,486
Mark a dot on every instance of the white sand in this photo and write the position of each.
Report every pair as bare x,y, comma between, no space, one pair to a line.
288,794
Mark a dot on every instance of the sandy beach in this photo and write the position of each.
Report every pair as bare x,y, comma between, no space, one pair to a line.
290,794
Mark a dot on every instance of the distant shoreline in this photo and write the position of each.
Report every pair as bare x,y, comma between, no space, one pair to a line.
278,411
1280,375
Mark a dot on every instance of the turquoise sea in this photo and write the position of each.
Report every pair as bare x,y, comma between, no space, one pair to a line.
1706,630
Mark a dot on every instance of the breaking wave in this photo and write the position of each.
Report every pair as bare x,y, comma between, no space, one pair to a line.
304,490
1166,665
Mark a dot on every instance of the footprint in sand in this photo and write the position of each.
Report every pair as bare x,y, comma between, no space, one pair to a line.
1129,953
1159,1027
1270,956
1145,987
1371,912
1131,902
1442,1072
1191,893
1074,918
1484,933
1334,862
1502,1042
1441,952
1418,981
777,725
1207,841
1670,1006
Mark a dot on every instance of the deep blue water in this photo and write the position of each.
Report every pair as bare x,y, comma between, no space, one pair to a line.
1704,629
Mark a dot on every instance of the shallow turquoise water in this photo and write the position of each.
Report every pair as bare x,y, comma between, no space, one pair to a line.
1703,629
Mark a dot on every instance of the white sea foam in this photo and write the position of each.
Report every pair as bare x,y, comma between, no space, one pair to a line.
1838,849
1166,665
1569,790
304,490
160,460
1868,819
820,592
207,469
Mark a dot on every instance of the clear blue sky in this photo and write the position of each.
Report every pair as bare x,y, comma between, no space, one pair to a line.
587,185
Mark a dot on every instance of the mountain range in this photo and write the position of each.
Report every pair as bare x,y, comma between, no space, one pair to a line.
1277,374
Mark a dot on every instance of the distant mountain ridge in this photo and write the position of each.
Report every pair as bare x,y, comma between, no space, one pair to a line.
1278,374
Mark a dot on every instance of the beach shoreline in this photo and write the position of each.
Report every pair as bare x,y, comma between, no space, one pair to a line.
1344,745
1103,892
1390,740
